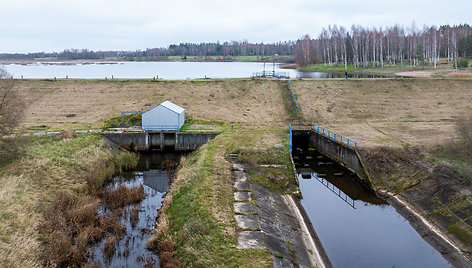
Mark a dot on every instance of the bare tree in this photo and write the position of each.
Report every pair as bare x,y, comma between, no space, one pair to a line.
10,103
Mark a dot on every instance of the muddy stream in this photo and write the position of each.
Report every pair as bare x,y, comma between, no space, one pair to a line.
139,219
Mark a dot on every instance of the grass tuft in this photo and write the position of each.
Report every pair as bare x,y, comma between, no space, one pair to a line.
123,196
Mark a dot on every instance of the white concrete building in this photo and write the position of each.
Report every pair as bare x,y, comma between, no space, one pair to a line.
165,116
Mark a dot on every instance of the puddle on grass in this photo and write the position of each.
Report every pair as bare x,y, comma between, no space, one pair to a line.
131,250
356,228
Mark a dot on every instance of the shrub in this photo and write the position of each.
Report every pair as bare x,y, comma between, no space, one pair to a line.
462,63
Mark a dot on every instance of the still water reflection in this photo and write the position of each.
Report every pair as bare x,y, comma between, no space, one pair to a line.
356,228
153,173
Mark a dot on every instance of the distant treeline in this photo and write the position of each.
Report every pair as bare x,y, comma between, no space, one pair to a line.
182,50
373,47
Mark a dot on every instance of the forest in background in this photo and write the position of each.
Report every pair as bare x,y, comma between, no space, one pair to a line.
359,46
377,47
183,50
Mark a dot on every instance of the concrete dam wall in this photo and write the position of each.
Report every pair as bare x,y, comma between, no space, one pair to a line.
144,141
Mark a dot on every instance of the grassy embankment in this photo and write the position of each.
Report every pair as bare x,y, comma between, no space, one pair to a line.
251,114
442,69
48,198
407,129
197,219
83,104
197,215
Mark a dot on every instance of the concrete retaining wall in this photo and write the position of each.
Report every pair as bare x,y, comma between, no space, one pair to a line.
141,140
345,156
191,141
144,141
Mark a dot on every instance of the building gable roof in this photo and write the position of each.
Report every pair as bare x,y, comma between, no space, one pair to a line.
169,105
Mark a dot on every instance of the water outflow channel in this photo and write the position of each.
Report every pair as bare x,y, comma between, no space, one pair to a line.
356,228
131,251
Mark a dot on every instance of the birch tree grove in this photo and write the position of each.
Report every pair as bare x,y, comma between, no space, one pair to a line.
373,47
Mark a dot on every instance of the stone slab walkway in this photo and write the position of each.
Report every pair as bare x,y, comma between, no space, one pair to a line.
265,220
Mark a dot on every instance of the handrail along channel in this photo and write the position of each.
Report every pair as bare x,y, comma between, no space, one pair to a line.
293,95
325,132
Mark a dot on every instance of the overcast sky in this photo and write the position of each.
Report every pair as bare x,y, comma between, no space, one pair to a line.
55,25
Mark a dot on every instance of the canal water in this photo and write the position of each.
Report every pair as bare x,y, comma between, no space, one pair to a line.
152,173
356,228
165,70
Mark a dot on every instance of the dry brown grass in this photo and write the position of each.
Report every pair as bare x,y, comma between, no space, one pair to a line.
134,216
460,75
112,224
93,101
67,218
386,112
109,246
422,74
167,258
48,169
123,196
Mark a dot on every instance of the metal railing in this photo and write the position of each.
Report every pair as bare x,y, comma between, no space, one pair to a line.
271,74
198,129
325,132
335,190
162,127
293,95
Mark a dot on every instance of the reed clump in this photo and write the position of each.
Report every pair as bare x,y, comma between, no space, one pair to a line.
123,196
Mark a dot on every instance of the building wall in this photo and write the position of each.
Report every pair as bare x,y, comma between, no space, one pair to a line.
160,118
181,119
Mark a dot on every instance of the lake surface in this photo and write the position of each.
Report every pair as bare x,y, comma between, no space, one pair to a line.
356,228
165,70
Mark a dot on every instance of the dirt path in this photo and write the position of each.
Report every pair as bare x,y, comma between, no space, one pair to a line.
418,74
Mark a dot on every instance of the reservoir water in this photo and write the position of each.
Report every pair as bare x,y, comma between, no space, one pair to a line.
356,228
148,70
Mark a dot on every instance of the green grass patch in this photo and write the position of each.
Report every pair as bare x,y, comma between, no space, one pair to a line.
127,120
195,124
200,239
60,150
38,128
462,232
125,161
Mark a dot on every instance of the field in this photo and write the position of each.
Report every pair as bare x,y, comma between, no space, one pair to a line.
74,104
386,112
